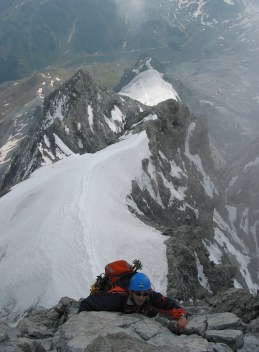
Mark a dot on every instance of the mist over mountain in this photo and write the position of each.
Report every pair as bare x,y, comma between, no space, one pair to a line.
209,47
68,30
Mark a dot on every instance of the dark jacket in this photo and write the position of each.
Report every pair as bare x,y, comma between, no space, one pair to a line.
117,302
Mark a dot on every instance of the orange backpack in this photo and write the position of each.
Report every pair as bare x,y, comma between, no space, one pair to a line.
116,277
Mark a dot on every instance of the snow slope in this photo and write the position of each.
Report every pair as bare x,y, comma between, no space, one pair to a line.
150,88
60,227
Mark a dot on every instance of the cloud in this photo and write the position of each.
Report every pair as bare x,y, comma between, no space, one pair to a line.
133,5
133,10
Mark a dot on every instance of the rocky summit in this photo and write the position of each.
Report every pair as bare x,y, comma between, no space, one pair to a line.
62,329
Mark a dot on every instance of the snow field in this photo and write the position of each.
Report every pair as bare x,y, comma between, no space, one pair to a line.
60,227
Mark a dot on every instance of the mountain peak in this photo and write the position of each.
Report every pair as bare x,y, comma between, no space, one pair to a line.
79,81
144,63
147,83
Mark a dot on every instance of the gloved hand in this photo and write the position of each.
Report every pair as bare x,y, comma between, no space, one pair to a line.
181,323
178,326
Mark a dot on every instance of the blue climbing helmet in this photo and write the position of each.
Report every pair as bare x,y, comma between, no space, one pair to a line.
140,282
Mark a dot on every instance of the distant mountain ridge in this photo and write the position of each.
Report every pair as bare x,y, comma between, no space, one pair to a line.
61,28
208,46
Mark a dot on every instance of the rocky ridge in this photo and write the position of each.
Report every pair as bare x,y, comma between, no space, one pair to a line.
79,117
179,195
241,182
86,117
62,329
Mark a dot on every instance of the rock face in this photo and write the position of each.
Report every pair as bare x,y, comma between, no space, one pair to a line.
240,179
237,301
177,194
62,329
84,116
180,194
79,117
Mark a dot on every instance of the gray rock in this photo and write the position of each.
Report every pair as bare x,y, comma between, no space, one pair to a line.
182,343
66,308
44,317
31,329
251,344
41,323
8,333
197,325
146,329
121,342
60,329
238,301
209,326
220,347
253,326
164,337
29,345
11,349
233,338
3,331
80,330
223,321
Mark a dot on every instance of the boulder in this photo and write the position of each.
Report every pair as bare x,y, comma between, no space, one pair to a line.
251,344
253,326
30,329
223,321
3,331
29,345
232,338
80,331
62,329
7,332
121,342
238,301
220,347
197,325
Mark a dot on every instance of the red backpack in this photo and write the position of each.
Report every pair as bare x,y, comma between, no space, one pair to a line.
116,277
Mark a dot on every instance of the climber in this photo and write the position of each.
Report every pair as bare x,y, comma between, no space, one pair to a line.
139,298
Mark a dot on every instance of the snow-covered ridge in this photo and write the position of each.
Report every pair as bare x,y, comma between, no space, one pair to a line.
49,254
149,86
